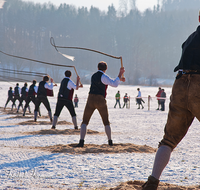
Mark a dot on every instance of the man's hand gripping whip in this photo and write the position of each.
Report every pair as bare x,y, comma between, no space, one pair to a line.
87,49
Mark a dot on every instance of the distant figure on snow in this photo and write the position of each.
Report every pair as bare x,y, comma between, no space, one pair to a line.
17,92
10,97
126,99
24,94
158,95
31,96
76,100
139,99
162,100
117,98
42,96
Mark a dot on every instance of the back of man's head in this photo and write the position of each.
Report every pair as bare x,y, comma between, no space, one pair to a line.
68,73
102,66
34,81
45,78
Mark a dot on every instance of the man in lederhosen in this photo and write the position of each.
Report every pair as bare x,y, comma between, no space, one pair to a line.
96,100
65,98
42,97
31,96
17,92
10,96
24,94
183,108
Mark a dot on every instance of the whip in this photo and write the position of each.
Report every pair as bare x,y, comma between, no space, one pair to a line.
43,62
87,49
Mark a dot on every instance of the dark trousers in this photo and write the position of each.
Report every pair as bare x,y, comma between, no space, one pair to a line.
16,98
9,99
44,100
117,102
162,103
21,100
29,99
76,104
63,102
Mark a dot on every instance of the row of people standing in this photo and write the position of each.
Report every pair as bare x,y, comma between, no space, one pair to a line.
126,100
161,97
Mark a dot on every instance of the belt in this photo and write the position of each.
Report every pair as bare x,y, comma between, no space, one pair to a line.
183,72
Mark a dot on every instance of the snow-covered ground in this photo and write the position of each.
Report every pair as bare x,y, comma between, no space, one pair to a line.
25,168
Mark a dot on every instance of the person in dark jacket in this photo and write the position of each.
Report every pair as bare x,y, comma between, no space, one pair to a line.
24,94
65,96
162,100
76,100
96,100
126,99
42,97
10,97
184,106
158,97
32,91
17,92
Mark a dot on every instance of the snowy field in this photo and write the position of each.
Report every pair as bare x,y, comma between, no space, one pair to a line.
25,168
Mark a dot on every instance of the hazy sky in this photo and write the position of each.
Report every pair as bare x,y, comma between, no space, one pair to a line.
101,4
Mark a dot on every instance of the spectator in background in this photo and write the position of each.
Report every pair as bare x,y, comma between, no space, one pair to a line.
76,100
158,95
139,99
126,99
117,97
162,100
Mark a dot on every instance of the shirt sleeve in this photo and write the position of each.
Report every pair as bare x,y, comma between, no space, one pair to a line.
105,79
36,89
71,85
19,90
50,87
139,94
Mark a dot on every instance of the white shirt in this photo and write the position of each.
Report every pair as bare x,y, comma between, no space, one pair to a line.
139,94
70,84
19,89
105,79
50,87
35,89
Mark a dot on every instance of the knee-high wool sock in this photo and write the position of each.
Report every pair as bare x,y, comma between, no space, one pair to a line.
161,160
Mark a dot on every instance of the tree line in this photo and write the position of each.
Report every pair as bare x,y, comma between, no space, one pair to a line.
149,42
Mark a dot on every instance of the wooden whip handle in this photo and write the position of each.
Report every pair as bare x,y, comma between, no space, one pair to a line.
122,66
81,85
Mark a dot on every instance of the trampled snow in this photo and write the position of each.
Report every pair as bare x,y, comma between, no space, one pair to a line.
24,168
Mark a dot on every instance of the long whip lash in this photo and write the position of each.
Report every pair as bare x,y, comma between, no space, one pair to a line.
87,49
22,72
43,62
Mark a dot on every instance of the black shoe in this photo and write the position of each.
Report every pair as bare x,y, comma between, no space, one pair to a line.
81,143
76,128
53,127
151,184
110,142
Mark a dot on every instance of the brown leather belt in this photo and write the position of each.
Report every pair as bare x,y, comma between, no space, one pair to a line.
180,73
